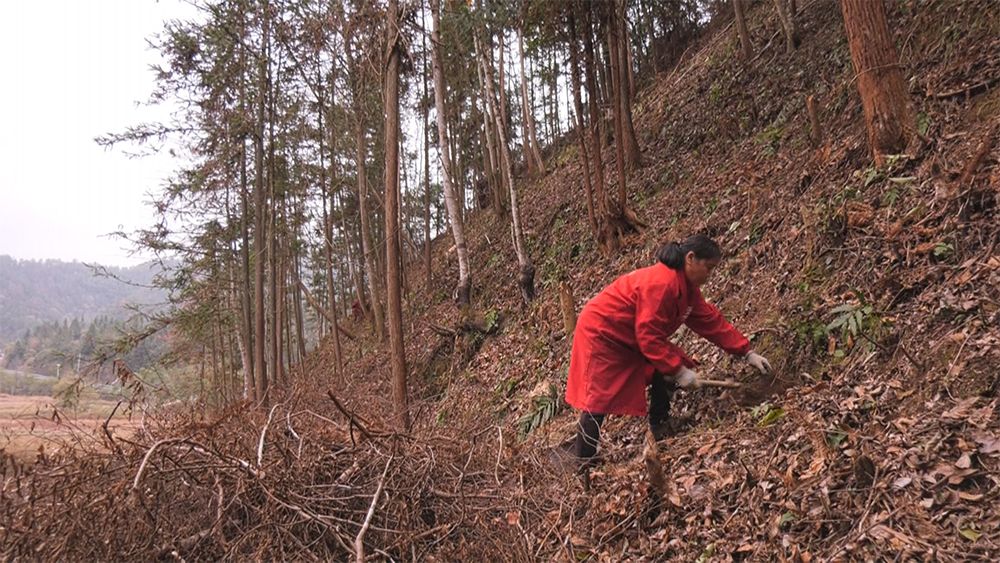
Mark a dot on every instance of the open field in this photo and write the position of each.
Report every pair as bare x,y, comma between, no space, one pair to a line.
31,422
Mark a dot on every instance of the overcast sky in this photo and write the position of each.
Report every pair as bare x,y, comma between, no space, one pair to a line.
73,70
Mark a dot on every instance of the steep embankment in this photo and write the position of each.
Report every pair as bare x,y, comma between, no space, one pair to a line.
875,439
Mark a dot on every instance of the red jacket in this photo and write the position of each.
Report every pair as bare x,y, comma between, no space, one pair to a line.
623,336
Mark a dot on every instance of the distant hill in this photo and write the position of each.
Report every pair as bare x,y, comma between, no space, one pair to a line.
35,292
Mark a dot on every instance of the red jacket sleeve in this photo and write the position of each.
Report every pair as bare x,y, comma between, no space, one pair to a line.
652,311
706,320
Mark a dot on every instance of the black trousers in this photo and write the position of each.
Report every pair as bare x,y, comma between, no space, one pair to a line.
588,429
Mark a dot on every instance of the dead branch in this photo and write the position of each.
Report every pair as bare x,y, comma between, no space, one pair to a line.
352,419
359,545
263,433
322,310
291,431
984,148
145,459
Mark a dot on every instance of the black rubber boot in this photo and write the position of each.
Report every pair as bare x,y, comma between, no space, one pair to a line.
661,392
580,453
588,435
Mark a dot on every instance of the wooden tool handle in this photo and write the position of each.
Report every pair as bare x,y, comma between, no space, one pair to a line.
727,383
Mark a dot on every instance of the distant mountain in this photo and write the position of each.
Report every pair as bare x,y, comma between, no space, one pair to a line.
35,292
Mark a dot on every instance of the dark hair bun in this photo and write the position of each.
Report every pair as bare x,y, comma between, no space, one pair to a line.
672,254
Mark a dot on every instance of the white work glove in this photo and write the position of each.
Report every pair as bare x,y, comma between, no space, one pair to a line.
759,362
686,378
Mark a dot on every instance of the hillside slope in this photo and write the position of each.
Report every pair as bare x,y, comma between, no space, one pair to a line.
878,441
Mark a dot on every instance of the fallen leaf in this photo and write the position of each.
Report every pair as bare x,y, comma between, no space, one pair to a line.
988,443
964,462
707,554
970,534
963,278
786,518
675,499
772,416
901,482
959,477
961,410
969,496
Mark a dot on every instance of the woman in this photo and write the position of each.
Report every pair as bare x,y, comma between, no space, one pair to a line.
622,340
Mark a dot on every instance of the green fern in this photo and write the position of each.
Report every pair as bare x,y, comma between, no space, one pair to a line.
544,408
856,320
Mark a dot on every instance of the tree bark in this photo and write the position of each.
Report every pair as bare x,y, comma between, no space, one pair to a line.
327,189
275,367
392,239
300,334
367,247
607,238
464,289
623,96
888,115
815,128
526,279
741,28
616,95
533,156
354,267
567,305
246,319
581,135
427,162
788,24
260,233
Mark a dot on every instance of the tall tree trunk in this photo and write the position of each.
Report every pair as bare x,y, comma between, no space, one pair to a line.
616,95
490,157
464,288
502,73
606,237
246,319
788,24
531,139
392,238
620,86
427,161
554,97
274,258
496,190
741,28
274,314
578,106
353,266
260,233
526,280
880,77
300,333
504,118
367,248
327,189
603,62
331,290
629,62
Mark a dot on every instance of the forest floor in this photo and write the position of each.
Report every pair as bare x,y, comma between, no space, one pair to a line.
875,292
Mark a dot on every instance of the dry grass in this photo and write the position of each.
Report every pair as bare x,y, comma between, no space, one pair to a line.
30,422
